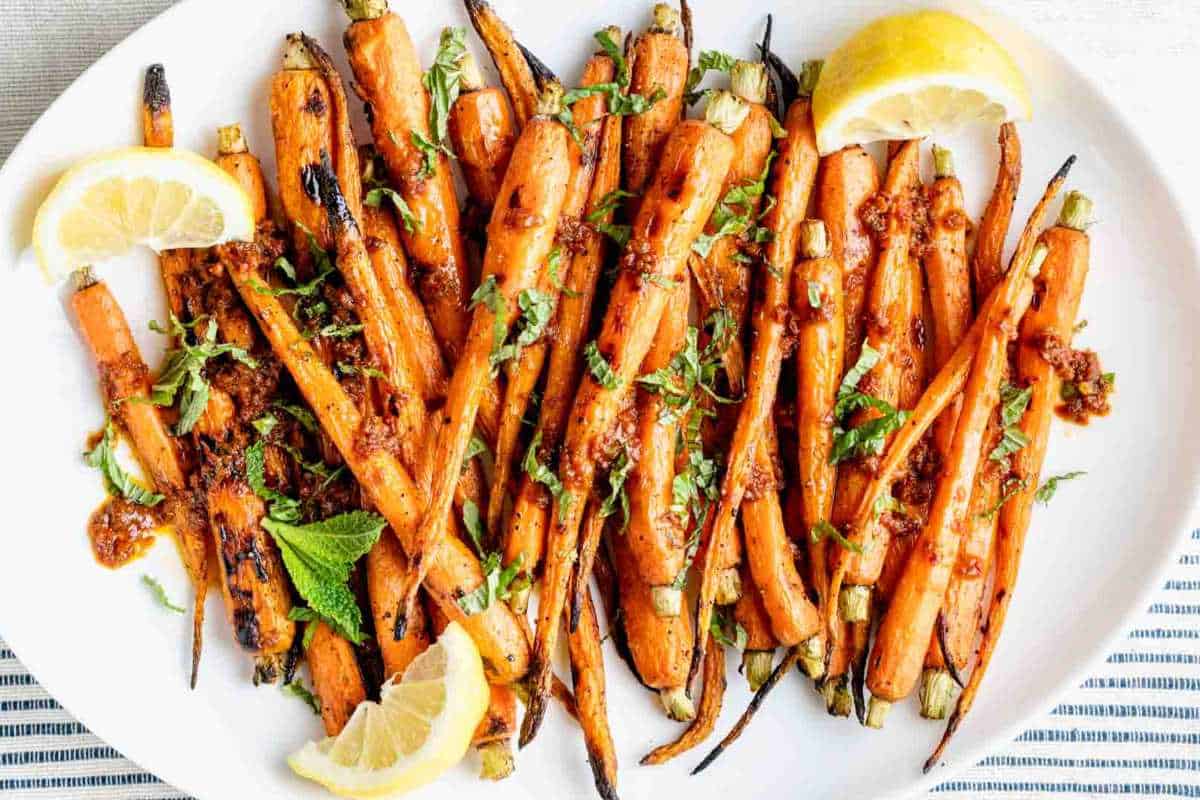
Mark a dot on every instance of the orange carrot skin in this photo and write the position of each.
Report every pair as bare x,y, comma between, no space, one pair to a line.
849,178
660,61
656,534
524,372
792,182
750,614
987,265
706,714
482,133
300,119
337,680
386,568
520,236
388,73
1059,287
587,674
515,73
454,570
674,210
819,355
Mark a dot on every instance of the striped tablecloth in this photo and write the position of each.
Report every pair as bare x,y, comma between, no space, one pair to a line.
1132,729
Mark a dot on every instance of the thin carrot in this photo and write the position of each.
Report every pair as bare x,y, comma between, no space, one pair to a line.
386,568
587,671
680,199
659,63
706,715
125,384
987,267
522,373
1059,287
454,571
515,72
388,77
817,302
520,237
760,646
904,633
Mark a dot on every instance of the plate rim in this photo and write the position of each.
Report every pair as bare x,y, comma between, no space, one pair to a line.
1186,510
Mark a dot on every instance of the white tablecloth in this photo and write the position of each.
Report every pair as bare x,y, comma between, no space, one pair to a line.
1132,729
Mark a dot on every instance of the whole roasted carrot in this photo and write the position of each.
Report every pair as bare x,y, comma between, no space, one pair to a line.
523,372
482,133
525,537
987,265
680,199
791,186
125,384
1058,287
659,63
388,77
888,328
849,179
903,637
587,672
520,237
454,570
515,72
817,303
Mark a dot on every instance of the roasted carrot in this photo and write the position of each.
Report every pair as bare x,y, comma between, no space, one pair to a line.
706,716
520,237
849,179
587,672
523,372
904,633
888,330
658,63
1059,287
657,533
680,199
493,734
526,532
387,76
125,384
515,72
783,592
987,267
482,133
661,645
760,641
817,303
337,680
454,570
235,158
386,568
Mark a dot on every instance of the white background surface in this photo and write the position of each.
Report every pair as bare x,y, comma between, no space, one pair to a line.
1142,51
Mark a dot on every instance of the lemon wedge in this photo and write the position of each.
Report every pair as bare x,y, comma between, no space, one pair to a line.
913,75
420,727
158,197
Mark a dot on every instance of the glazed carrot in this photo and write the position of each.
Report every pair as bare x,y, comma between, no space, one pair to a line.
791,185
493,734
523,372
454,570
1059,287
125,384
656,533
235,158
520,236
817,303
949,277
849,179
344,155
706,715
680,199
658,63
887,329
386,568
587,672
336,678
514,69
661,646
482,133
387,76
904,633
987,267
760,641
527,524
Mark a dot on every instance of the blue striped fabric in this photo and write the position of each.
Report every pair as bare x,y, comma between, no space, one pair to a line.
1133,728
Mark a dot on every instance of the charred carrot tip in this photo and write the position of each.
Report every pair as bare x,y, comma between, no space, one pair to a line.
789,84
1065,169
156,95
320,182
542,74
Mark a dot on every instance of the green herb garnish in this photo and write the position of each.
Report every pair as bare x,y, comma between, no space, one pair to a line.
540,473
183,374
297,689
1045,492
727,631
117,481
281,507
160,595
443,81
599,367
824,530
1013,402
375,197
618,495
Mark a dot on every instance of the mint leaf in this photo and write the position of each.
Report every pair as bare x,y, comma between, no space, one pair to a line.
116,480
727,631
183,377
540,473
498,584
823,530
160,594
375,197
473,522
297,689
281,507
598,365
1045,492
301,415
618,495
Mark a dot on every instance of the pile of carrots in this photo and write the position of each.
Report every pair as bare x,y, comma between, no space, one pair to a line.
839,459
